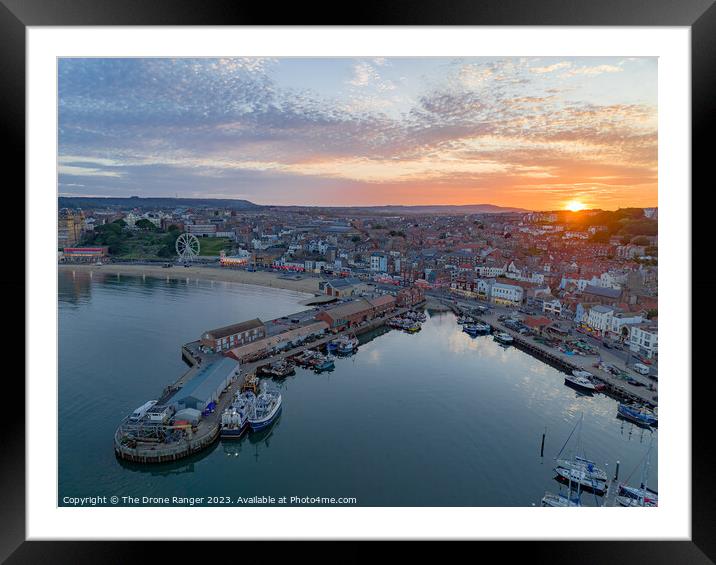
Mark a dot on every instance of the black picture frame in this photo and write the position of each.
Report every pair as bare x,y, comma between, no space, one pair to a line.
698,15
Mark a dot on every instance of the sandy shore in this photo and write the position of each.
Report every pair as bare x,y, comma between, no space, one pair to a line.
261,278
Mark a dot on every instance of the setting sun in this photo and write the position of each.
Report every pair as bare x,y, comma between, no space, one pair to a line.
574,206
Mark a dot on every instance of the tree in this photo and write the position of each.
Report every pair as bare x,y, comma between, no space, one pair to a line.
145,225
652,313
121,223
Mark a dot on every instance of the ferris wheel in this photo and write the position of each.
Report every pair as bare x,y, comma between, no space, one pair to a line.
187,247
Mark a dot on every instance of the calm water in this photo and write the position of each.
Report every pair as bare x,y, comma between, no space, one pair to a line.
432,419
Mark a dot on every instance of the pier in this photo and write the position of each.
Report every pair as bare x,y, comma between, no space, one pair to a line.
206,432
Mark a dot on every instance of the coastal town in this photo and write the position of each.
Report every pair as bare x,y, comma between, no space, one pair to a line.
589,271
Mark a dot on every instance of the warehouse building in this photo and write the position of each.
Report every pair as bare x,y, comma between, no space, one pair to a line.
206,386
284,340
228,337
347,315
382,304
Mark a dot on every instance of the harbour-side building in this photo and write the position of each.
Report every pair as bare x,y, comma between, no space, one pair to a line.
228,337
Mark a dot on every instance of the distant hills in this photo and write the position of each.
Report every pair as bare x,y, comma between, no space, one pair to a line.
440,209
88,203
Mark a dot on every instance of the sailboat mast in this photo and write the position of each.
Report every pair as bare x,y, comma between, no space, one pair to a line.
645,473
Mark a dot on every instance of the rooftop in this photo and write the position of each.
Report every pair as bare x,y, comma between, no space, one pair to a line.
233,329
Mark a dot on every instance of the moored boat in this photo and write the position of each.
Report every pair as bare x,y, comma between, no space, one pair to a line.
579,463
580,379
637,415
558,500
582,478
476,328
235,419
504,338
321,362
266,408
346,345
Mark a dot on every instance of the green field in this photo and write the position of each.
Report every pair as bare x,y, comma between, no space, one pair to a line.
210,246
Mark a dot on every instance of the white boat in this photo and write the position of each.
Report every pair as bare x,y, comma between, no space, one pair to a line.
642,496
580,381
235,419
582,478
579,463
504,337
346,345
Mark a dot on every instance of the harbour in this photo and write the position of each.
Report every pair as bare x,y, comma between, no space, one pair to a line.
405,367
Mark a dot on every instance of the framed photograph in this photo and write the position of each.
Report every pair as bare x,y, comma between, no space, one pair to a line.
359,282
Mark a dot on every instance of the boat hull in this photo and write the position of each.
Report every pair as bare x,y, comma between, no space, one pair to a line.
233,433
636,417
580,386
264,422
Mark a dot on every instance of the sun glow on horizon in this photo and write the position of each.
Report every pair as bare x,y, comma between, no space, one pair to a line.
575,206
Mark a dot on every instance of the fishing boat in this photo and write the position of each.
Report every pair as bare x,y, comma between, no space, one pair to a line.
266,408
280,368
397,323
332,345
346,345
580,379
235,419
305,358
504,338
476,329
580,463
321,362
413,327
638,415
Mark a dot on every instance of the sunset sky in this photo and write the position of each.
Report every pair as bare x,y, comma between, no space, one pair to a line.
537,133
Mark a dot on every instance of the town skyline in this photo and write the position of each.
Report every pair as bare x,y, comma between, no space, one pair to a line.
530,133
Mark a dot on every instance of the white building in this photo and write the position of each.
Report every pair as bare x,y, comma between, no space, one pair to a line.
506,294
621,319
599,317
645,338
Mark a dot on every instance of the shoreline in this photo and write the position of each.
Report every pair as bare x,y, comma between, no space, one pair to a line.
307,285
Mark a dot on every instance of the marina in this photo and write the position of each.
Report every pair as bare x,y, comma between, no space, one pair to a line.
440,350
146,440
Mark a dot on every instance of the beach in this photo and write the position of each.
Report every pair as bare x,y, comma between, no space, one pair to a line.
308,284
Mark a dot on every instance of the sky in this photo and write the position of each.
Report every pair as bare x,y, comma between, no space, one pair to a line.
536,133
